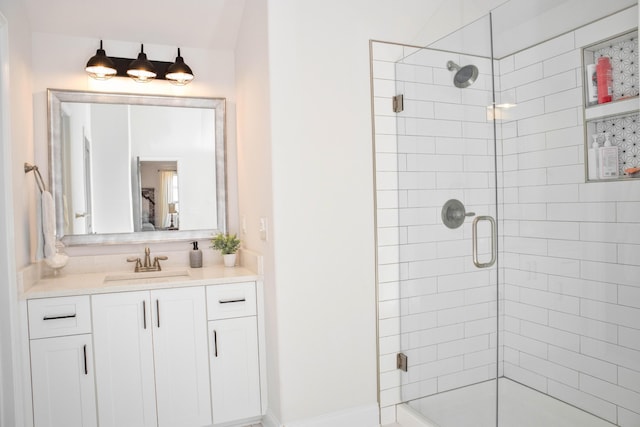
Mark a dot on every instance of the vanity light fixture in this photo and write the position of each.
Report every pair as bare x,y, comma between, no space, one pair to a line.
179,73
100,66
141,69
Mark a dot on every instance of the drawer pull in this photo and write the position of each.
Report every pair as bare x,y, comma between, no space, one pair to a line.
231,301
144,314
67,316
86,369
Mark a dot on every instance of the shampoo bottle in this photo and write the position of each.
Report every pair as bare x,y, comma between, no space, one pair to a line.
608,159
195,256
592,158
605,82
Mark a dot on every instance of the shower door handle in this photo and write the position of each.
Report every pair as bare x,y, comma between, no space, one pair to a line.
474,239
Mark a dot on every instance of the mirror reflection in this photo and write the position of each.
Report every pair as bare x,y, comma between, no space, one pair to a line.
129,168
159,199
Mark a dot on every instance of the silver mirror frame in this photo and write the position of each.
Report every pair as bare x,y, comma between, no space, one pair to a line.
54,99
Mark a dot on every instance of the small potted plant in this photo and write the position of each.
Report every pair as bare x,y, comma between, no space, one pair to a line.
228,245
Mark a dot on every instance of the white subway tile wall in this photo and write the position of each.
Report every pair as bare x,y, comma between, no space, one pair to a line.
576,286
570,251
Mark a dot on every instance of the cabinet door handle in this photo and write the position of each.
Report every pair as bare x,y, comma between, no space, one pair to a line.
144,314
230,301
158,311
86,369
64,316
215,343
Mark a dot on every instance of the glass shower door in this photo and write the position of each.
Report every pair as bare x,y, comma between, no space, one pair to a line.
447,229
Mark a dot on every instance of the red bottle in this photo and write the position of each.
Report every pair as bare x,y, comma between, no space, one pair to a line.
605,83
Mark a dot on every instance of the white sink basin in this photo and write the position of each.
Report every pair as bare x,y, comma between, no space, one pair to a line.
146,275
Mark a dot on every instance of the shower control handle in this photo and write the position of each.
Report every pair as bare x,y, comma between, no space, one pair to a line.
474,240
454,213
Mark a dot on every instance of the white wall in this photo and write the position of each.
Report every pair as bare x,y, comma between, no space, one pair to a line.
254,170
323,212
21,105
16,140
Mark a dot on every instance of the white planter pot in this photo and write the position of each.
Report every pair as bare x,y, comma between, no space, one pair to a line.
229,260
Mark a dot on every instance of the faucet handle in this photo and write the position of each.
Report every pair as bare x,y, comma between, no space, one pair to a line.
156,261
137,261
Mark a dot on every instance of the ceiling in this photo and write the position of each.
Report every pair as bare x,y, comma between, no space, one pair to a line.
207,24
520,24
213,24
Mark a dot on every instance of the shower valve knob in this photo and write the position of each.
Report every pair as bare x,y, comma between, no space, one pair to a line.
453,213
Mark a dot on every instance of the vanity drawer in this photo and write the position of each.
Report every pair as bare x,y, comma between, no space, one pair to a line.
54,317
231,300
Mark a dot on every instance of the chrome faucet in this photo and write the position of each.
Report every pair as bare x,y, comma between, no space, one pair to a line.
147,266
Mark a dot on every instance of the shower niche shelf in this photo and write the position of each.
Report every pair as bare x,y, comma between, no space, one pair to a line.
619,118
611,109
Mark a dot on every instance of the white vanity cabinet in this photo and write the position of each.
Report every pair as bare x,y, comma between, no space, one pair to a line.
62,373
234,352
191,355
151,358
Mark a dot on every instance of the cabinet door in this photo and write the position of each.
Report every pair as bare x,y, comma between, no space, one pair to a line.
63,383
181,357
235,373
124,359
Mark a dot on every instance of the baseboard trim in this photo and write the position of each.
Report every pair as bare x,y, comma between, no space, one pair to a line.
270,421
361,416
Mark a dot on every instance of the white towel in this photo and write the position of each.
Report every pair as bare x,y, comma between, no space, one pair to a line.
39,236
48,225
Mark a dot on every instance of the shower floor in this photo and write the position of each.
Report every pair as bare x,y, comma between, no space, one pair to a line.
474,406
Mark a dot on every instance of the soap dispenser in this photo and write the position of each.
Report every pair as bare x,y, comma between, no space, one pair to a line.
608,159
195,256
592,159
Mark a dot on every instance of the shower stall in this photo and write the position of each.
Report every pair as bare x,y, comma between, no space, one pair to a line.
508,261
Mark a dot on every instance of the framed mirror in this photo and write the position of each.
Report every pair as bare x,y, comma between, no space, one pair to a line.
130,168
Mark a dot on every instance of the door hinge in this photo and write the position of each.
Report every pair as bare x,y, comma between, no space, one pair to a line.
402,362
398,103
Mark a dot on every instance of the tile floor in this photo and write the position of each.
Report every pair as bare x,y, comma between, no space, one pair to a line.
386,425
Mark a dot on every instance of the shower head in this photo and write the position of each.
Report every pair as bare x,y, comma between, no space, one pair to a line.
464,76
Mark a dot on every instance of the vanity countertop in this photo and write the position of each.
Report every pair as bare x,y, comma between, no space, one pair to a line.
123,281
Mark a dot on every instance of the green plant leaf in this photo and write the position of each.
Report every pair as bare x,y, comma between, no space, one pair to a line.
225,243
